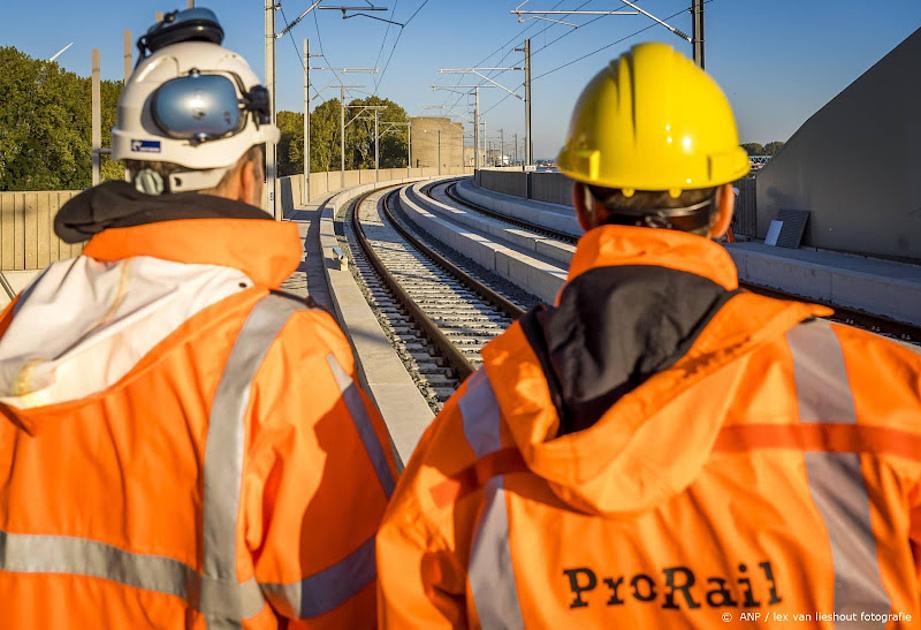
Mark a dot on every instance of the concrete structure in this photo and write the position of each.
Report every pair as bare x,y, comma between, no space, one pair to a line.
28,242
855,165
879,287
434,136
533,266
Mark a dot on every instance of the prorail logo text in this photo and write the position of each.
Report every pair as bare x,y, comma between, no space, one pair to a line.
678,587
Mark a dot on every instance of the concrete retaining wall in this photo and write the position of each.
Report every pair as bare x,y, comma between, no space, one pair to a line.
508,182
855,165
326,183
551,188
28,242
533,275
556,188
555,216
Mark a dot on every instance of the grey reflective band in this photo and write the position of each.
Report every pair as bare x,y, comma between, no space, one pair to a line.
69,555
356,407
223,467
835,479
222,600
822,387
480,412
490,570
327,589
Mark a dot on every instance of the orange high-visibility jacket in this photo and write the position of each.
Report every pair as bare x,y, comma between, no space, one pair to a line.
662,450
181,447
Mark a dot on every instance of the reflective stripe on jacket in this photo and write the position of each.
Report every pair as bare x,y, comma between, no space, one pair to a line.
233,475
769,475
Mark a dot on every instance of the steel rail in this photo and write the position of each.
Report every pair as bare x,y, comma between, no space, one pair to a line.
452,355
497,299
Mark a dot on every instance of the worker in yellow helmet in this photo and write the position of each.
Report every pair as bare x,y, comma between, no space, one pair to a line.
660,449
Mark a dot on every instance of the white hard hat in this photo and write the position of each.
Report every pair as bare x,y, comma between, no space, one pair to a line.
195,104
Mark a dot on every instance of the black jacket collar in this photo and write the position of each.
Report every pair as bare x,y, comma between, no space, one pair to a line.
119,204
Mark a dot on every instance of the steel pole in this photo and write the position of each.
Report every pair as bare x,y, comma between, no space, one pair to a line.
305,186
377,146
528,139
127,55
270,149
516,149
341,138
502,147
439,151
409,148
697,31
476,129
96,131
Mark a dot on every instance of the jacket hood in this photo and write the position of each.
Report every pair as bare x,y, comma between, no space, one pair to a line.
84,323
651,440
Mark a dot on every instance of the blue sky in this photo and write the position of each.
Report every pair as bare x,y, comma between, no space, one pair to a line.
778,61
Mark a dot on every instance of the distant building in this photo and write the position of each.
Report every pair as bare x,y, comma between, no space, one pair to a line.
433,137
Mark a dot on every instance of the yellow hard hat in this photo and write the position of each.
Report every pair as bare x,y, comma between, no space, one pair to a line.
653,120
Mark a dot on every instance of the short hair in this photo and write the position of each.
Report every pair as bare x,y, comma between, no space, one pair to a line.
165,169
650,208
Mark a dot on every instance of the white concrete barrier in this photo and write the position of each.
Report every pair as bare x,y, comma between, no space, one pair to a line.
534,275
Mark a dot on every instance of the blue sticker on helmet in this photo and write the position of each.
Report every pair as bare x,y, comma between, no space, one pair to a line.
145,146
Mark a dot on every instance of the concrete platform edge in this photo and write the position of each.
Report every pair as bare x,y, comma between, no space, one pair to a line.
380,369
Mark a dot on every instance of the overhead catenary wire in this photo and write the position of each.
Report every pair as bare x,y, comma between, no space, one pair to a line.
316,23
540,32
380,52
515,38
297,53
589,54
396,42
614,43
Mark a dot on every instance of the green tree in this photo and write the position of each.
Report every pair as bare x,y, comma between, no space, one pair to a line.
290,145
45,124
360,134
773,148
324,139
324,136
753,148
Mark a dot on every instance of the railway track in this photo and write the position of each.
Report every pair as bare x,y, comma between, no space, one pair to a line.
439,309
436,313
874,323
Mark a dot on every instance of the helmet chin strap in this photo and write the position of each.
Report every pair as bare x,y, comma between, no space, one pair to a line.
150,182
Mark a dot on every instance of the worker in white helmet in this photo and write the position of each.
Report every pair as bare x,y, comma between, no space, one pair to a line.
181,444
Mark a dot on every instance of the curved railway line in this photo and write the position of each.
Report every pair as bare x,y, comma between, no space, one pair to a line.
439,309
421,295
